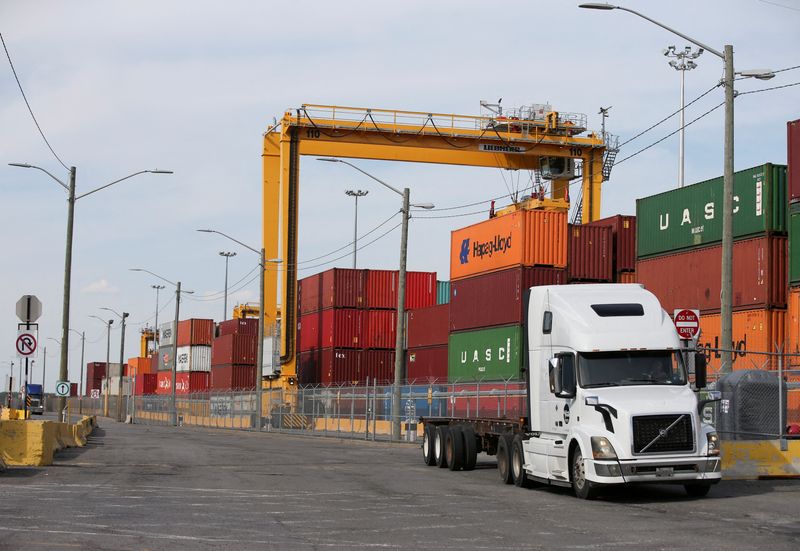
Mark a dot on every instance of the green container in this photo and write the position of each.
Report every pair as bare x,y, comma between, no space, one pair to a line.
692,216
486,354
794,244
442,292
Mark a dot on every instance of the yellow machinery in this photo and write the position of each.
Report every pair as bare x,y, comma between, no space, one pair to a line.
249,310
147,337
543,140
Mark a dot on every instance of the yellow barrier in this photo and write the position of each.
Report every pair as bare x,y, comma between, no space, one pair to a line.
7,414
33,443
753,459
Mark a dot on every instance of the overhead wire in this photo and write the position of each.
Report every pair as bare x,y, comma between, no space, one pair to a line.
351,242
390,230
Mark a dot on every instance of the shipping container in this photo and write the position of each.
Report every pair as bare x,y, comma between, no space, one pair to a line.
166,334
329,366
794,244
194,332
428,326
523,238
243,326
234,349
623,239
753,331
497,298
486,354
138,366
382,286
95,371
496,400
166,356
146,383
93,384
380,329
691,216
334,288
442,292
428,364
589,253
194,358
233,377
73,390
691,279
187,382
793,324
793,158
377,366
332,328
627,277
113,384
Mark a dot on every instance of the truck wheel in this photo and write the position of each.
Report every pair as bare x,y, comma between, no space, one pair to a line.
697,490
504,458
438,445
454,448
427,446
584,489
470,447
518,464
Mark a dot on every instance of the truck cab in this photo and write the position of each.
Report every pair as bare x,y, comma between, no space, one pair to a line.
35,398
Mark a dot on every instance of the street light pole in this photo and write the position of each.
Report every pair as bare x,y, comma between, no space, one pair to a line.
155,330
356,194
121,368
227,256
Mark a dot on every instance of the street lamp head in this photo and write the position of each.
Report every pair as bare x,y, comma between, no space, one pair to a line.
227,254
21,165
427,206
275,260
597,6
158,171
125,315
329,159
760,74
157,287
208,231
136,269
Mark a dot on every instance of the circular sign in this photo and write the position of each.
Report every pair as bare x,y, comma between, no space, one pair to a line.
62,388
95,393
687,323
26,344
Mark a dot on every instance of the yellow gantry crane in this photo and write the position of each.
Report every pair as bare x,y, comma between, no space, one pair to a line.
530,138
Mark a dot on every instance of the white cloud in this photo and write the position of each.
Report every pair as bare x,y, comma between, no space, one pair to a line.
100,287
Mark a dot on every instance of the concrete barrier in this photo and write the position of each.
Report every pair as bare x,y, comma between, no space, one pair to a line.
754,459
34,443
8,414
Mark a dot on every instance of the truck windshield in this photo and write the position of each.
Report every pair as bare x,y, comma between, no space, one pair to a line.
655,367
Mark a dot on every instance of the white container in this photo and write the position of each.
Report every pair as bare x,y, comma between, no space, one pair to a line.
113,386
194,358
166,334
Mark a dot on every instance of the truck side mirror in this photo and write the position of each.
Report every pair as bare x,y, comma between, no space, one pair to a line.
562,377
700,370
555,376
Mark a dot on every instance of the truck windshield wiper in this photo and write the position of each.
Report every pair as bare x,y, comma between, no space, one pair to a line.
595,385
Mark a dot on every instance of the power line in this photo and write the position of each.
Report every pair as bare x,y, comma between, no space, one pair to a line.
11,63
390,230
768,89
348,244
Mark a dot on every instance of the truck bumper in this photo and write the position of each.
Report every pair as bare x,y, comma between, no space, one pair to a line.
657,471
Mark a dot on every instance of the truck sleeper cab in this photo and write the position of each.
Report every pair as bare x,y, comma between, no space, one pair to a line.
609,401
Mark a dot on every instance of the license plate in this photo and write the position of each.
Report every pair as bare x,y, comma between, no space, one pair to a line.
664,471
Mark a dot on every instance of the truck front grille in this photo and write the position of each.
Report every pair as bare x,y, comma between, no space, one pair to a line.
652,433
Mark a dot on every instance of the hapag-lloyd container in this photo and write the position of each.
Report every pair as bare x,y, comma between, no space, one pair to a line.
589,251
233,377
523,238
486,354
145,383
382,286
428,364
691,216
380,329
334,288
691,279
623,237
244,326
234,349
195,332
428,326
332,328
793,159
793,325
193,358
497,298
753,331
329,366
185,383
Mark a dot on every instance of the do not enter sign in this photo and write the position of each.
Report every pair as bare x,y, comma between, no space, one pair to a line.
687,323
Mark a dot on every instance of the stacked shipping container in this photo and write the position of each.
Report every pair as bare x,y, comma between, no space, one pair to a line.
190,350
623,246
234,355
427,331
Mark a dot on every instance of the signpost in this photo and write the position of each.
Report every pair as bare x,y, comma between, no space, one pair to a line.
29,309
687,323
62,389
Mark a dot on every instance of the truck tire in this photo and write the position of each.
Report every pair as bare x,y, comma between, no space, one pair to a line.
518,464
470,447
454,448
584,489
697,490
427,445
438,445
504,458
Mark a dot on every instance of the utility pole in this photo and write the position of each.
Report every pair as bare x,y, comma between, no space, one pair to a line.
356,194
683,62
155,326
121,368
108,364
63,375
173,403
227,256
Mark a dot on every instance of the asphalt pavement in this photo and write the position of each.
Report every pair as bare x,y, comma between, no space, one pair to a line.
148,487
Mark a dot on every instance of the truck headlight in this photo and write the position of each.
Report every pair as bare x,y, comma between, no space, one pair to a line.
713,443
602,448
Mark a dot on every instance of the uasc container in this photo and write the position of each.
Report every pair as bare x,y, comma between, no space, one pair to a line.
589,253
486,354
334,288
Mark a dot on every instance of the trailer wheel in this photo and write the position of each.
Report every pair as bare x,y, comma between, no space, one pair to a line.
584,489
504,458
428,436
518,464
438,445
697,490
470,447
454,448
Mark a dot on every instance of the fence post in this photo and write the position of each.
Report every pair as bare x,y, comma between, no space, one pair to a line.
781,426
375,407
366,410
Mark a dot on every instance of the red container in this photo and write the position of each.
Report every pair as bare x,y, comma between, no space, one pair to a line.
426,365
95,371
146,384
589,253
195,331
428,326
334,288
73,390
234,349
186,382
623,237
244,326
332,328
377,365
233,377
330,366
382,289
93,384
497,298
380,329
793,159
498,404
692,279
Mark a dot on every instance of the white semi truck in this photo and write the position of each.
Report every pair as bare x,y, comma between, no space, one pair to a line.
608,400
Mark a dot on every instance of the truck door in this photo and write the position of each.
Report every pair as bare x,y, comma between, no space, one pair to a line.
562,392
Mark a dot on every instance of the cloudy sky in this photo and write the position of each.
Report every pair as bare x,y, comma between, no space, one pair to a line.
191,86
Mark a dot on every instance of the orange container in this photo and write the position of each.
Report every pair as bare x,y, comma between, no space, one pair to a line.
753,331
138,366
626,277
523,238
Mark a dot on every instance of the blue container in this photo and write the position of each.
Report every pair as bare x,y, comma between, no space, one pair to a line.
442,292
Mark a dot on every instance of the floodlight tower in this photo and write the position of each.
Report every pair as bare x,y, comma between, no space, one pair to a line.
684,61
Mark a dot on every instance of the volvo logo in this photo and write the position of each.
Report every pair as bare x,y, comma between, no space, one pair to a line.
663,432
